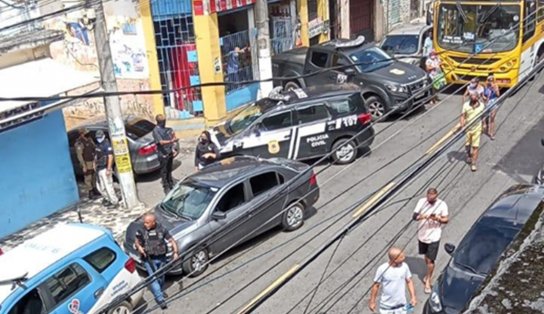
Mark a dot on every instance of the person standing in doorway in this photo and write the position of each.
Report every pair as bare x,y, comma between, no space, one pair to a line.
165,139
471,111
85,152
151,242
206,151
104,169
432,214
393,277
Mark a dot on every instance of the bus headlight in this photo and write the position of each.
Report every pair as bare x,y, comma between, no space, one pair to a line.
508,65
434,301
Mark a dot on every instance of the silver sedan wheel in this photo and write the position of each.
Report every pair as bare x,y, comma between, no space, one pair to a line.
295,215
198,261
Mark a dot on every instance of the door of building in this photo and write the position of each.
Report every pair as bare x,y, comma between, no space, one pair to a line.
360,18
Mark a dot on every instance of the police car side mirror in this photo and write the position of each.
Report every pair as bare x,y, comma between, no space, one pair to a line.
349,71
219,216
450,248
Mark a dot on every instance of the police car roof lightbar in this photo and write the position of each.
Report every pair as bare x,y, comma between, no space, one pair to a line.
351,43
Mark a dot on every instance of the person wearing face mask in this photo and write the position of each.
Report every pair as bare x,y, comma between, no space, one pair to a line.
491,93
474,87
432,214
103,164
206,151
432,65
165,138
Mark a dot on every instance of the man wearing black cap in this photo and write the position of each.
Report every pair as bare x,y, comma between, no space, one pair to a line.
103,166
85,152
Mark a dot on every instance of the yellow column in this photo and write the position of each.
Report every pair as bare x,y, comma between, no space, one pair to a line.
323,13
302,8
151,52
209,66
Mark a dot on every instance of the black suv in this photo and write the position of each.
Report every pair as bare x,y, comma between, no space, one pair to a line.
299,124
483,246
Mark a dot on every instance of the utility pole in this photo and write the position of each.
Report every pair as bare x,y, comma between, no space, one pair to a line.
263,46
114,115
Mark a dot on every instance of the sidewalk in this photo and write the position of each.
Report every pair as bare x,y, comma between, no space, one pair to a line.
92,212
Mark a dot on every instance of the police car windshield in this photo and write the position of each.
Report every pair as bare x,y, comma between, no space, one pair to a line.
188,200
370,59
245,118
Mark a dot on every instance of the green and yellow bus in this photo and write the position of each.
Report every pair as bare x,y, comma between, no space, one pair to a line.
475,38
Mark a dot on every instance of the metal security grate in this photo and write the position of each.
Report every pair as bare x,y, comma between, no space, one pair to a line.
236,55
178,62
394,12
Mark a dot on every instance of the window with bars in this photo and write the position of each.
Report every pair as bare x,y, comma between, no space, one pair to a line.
394,12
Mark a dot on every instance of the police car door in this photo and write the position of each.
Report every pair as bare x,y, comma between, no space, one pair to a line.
272,135
312,138
74,289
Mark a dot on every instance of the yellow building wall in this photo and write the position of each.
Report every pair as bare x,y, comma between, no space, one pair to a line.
323,13
302,9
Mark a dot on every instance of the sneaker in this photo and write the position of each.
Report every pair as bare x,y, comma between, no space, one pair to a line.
163,305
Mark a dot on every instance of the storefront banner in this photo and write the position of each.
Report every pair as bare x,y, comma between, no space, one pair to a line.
205,7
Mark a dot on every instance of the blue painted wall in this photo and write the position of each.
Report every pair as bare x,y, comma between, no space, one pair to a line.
37,178
164,9
242,96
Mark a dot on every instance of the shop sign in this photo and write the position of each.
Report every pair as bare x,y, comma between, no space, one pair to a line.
315,27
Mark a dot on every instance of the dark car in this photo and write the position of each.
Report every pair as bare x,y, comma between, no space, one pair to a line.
142,147
230,202
539,177
299,124
386,84
480,251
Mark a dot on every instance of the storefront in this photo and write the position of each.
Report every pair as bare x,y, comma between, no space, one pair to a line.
284,28
318,20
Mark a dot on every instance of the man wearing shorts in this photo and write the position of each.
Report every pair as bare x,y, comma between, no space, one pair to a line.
432,213
472,110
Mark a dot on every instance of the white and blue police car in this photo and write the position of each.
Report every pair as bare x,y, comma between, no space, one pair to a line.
72,269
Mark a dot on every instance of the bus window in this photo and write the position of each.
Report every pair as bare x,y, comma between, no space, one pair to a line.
529,18
540,9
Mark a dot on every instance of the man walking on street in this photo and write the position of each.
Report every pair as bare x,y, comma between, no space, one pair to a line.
471,110
151,243
393,277
165,139
432,213
85,152
104,167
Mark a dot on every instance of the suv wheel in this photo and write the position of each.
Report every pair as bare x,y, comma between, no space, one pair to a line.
122,308
345,151
293,217
376,107
289,86
196,264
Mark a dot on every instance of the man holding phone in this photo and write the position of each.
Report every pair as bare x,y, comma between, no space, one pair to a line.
432,213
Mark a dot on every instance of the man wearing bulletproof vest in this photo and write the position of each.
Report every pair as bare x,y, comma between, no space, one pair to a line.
85,152
151,243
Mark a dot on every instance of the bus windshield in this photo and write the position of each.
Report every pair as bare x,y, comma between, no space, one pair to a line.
478,28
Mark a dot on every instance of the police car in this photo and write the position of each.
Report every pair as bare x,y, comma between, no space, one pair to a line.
72,268
299,124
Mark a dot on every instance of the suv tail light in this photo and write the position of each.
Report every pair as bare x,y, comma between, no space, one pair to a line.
130,265
364,118
313,179
148,149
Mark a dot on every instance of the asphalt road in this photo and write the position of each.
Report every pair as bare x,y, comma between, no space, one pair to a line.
234,279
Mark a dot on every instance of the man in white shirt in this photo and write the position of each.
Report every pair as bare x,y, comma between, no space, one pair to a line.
432,213
393,277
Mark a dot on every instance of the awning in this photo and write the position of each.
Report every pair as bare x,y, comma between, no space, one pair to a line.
40,78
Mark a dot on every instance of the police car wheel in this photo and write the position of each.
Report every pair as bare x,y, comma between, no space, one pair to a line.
345,152
196,264
293,217
122,308
376,107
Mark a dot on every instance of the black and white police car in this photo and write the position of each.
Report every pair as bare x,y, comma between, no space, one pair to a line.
299,124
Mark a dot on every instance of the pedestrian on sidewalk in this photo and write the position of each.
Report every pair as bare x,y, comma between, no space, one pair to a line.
471,111
85,152
104,167
206,151
491,93
165,139
432,214
151,242
393,277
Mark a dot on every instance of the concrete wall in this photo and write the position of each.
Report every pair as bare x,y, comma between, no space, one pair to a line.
36,171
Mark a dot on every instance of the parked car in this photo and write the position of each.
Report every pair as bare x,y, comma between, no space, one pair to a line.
49,274
142,147
386,84
406,42
299,124
230,202
480,251
539,177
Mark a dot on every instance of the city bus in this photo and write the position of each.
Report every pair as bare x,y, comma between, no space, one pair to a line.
476,38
